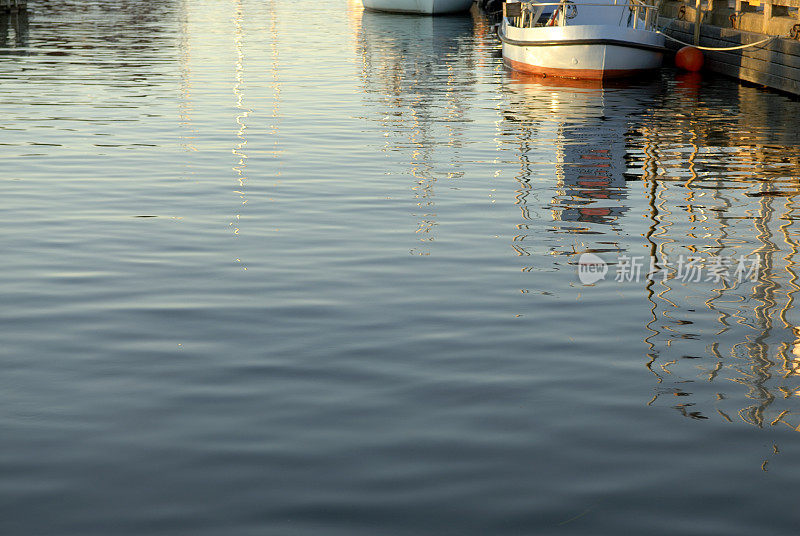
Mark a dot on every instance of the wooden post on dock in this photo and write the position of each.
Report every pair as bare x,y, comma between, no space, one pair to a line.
737,13
697,19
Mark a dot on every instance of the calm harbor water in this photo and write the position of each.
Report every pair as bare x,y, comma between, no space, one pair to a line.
291,268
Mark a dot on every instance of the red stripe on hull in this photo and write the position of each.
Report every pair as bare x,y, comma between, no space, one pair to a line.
583,74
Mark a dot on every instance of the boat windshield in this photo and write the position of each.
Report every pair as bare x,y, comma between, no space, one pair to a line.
619,13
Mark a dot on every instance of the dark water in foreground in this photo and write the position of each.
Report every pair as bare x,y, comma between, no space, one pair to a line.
286,268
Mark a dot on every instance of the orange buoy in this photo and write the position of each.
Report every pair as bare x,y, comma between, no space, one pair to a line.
689,58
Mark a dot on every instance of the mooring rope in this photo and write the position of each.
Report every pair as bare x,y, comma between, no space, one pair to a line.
713,48
721,48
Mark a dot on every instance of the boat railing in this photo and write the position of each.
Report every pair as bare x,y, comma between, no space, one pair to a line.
530,14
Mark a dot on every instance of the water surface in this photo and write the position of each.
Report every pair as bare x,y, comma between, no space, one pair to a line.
280,268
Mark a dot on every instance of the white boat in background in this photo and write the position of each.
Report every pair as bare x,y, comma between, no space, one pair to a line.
597,39
423,7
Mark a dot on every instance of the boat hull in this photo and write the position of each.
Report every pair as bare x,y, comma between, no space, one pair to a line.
585,52
424,7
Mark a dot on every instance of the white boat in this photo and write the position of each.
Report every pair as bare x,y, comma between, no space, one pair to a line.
597,39
424,7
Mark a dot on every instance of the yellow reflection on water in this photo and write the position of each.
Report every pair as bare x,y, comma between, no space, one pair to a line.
748,348
239,150
243,111
715,185
188,133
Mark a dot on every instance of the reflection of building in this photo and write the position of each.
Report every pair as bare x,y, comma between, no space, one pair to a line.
732,353
413,71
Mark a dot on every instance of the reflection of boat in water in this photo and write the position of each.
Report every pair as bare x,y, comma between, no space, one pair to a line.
414,72
589,137
403,56
425,7
423,40
599,39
